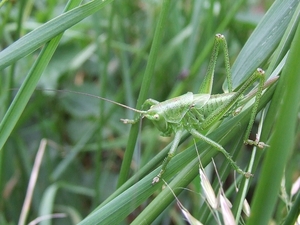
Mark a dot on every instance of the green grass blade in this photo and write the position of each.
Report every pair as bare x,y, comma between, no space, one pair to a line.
294,212
49,30
263,40
16,108
47,203
282,140
26,90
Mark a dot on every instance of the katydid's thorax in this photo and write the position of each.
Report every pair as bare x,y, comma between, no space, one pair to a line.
167,115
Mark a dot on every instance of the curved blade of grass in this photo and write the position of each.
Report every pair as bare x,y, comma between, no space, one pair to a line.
120,207
282,140
47,202
263,40
47,31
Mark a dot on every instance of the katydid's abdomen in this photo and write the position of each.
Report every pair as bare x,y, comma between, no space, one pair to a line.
216,101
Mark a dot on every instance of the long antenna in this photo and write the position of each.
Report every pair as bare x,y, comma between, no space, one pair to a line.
94,96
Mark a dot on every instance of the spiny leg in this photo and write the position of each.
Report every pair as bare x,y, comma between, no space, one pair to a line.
256,142
171,153
222,110
207,83
219,113
218,147
206,86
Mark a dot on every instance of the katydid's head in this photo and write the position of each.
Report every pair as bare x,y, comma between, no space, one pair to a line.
159,121
152,115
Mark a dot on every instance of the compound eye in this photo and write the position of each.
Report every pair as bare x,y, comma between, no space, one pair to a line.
156,116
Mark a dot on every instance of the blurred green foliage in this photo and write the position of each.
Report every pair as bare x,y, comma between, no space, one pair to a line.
106,53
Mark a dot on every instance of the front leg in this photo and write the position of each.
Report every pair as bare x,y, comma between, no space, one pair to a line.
129,121
149,102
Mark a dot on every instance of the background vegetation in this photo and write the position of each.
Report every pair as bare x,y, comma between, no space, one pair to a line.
128,51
